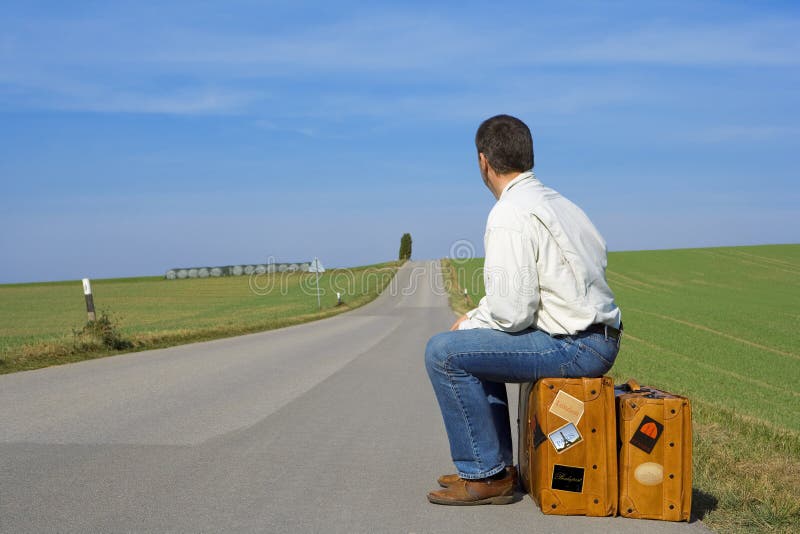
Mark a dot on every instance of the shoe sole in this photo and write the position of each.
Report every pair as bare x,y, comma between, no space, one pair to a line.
500,499
442,484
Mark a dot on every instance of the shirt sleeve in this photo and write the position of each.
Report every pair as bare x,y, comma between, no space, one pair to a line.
511,280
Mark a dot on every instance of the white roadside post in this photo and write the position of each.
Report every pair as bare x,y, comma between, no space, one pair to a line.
87,292
316,267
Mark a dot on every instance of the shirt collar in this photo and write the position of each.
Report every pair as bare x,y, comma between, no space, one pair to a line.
520,177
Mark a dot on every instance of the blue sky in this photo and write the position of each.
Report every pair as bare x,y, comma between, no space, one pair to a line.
139,136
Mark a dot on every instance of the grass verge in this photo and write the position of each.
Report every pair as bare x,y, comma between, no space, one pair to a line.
716,325
44,324
455,272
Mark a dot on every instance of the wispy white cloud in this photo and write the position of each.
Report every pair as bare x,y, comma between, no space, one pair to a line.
523,96
407,41
728,133
385,42
66,94
102,64
403,40
192,102
272,126
758,42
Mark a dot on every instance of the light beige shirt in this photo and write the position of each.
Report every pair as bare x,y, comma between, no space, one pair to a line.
545,265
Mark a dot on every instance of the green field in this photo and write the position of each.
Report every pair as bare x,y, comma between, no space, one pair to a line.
37,320
720,326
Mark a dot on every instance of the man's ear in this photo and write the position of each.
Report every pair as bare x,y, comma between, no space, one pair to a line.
483,163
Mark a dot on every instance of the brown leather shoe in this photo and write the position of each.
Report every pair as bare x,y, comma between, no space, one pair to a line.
469,492
446,480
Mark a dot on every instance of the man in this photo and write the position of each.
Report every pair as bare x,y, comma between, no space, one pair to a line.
548,312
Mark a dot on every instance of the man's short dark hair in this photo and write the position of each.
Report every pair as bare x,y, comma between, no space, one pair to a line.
507,143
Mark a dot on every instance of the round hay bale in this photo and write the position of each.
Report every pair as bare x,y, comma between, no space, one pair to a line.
216,271
249,270
237,270
293,267
282,268
202,272
183,273
304,267
271,268
171,274
192,273
261,269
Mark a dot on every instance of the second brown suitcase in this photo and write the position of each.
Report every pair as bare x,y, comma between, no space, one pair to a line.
655,456
567,445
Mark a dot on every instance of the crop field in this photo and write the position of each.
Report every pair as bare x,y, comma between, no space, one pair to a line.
37,320
718,325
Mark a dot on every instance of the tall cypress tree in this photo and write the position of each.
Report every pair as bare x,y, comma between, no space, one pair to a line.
405,247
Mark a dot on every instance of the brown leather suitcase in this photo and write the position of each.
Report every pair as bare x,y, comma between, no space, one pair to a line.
655,455
567,445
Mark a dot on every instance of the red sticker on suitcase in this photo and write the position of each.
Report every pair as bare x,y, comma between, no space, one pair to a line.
647,434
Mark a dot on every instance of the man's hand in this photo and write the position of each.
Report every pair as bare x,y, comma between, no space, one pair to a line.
458,322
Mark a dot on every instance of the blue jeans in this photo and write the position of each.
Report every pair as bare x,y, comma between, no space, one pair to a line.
469,368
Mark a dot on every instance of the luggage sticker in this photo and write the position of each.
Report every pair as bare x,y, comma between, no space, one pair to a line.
647,434
538,435
567,478
565,437
567,407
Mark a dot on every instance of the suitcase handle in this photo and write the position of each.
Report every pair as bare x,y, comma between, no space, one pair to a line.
633,385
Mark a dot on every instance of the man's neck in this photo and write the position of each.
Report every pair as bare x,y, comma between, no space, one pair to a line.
500,182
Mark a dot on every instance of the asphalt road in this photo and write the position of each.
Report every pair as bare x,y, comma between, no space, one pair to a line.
330,426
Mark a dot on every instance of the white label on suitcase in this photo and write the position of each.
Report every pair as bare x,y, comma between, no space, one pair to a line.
567,407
